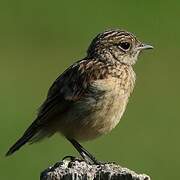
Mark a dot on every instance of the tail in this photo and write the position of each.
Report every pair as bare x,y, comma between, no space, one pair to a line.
29,133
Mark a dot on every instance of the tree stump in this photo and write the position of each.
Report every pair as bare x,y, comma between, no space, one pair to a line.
80,170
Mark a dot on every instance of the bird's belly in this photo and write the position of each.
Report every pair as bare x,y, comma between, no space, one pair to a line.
103,119
92,117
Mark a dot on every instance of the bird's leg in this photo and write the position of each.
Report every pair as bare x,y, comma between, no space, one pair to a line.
83,152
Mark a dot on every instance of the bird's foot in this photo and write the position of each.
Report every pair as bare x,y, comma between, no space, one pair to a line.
103,163
71,158
84,158
87,160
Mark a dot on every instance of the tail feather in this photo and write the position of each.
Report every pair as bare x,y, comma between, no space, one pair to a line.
29,133
23,140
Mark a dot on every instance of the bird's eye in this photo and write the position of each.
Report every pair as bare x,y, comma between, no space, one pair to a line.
124,45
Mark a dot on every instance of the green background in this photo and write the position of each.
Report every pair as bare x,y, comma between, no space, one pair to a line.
39,39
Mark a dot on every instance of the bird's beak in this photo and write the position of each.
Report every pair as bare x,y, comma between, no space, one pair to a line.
144,46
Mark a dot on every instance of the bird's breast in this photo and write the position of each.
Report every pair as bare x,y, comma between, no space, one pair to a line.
99,111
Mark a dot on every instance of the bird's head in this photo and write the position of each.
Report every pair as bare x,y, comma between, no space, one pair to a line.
117,45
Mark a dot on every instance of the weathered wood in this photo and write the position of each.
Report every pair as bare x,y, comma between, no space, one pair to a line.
80,170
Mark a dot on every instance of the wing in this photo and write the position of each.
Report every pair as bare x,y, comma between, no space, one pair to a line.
67,88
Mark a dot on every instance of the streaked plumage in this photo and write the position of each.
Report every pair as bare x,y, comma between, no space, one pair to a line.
90,97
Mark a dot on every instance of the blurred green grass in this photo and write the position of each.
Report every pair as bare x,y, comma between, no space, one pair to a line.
39,39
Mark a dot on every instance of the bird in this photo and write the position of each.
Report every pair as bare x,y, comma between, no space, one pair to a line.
89,98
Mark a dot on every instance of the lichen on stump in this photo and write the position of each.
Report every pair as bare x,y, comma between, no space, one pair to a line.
80,170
